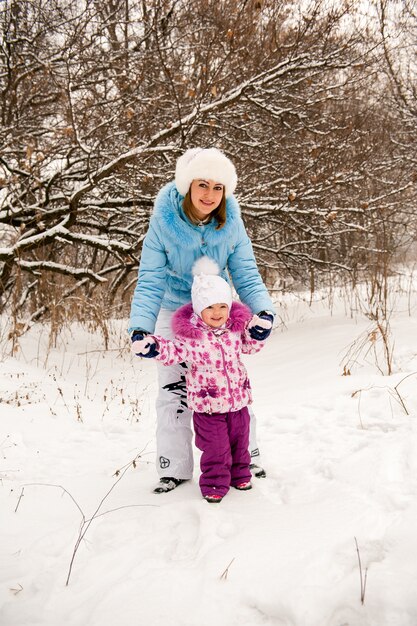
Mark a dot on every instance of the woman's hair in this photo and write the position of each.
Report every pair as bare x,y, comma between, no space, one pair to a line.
219,214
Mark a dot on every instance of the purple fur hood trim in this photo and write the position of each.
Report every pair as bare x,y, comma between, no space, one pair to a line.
187,325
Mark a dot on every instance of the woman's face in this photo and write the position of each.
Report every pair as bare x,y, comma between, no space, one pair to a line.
206,196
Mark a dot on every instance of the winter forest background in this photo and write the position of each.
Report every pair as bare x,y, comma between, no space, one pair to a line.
314,101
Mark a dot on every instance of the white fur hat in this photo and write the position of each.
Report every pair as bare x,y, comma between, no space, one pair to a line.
208,287
208,164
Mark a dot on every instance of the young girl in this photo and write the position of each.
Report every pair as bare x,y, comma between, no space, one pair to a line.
211,334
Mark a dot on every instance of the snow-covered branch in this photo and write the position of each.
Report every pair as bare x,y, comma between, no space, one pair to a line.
50,266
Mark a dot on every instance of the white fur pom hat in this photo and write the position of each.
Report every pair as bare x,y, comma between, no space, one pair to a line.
208,164
208,287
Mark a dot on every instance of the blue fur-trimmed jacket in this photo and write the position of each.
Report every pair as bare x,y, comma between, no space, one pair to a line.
170,249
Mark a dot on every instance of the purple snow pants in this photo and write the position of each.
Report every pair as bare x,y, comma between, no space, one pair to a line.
223,439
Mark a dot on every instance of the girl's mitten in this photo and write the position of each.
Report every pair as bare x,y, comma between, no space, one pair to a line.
260,326
145,347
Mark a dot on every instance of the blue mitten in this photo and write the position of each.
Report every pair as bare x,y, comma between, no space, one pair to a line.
142,345
138,334
260,326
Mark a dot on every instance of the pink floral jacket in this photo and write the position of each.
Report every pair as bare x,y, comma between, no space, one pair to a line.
217,380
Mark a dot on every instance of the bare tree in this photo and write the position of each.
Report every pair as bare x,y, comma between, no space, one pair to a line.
99,98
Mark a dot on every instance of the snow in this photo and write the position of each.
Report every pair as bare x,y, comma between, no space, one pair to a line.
340,453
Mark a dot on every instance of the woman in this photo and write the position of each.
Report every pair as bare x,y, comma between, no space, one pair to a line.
195,215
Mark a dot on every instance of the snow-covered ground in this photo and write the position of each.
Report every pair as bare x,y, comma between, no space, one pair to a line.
341,457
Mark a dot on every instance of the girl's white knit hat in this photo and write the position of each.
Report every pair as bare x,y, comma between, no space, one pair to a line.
208,164
208,287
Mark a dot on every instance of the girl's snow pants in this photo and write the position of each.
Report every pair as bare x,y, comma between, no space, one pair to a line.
223,439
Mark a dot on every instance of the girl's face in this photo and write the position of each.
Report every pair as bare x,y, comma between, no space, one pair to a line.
206,196
215,315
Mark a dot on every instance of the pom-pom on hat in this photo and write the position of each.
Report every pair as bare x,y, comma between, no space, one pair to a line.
208,287
208,164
